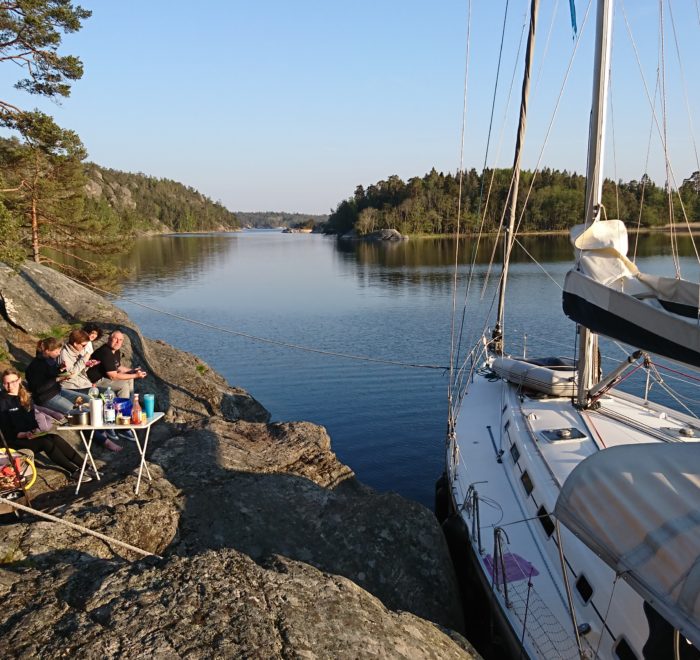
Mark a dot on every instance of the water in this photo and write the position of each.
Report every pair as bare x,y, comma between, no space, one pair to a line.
383,301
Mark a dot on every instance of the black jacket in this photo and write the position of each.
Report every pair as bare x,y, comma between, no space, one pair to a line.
14,418
41,379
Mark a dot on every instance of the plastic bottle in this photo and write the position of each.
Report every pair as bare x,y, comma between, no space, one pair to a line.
136,410
110,412
93,393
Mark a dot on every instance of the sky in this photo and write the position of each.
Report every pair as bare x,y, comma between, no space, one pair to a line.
275,105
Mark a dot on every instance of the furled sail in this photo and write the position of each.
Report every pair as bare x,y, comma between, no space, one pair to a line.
608,294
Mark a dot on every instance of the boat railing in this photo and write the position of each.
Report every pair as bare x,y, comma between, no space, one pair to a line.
539,626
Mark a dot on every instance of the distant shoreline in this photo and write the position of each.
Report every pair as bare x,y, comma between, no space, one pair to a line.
692,228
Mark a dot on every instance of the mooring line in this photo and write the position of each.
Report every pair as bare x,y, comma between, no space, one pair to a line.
275,342
79,528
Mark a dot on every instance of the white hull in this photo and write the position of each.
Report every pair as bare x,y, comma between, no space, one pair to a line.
495,417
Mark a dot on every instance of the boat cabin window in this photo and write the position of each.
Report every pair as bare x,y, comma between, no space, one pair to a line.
623,650
514,453
527,482
546,521
584,588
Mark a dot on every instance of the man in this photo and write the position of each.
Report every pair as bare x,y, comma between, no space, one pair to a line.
110,372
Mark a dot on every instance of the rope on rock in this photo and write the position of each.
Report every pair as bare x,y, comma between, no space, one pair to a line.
79,528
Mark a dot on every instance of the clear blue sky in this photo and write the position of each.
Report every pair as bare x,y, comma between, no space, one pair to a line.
279,105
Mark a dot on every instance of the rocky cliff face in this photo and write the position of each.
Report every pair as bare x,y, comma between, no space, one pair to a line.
268,545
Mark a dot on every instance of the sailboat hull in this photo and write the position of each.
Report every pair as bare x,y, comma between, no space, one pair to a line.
623,317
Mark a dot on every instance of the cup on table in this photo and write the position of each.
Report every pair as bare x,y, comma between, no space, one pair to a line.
149,402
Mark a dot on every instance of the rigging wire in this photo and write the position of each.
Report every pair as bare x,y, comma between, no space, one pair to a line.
681,69
671,178
459,212
477,243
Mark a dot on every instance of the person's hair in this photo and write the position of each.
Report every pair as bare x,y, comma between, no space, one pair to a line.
48,344
25,398
91,326
78,337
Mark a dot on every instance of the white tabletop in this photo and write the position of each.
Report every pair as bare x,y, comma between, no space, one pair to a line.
109,427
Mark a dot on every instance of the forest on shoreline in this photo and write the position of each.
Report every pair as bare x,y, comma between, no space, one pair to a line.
428,205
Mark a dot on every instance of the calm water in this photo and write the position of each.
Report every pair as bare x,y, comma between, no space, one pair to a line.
391,302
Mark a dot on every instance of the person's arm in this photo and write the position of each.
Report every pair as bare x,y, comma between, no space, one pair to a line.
125,374
74,364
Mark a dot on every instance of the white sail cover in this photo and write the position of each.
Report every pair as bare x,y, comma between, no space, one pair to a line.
609,295
638,508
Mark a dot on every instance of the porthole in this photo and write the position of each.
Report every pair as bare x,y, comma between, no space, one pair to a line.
584,588
623,650
527,482
514,453
546,521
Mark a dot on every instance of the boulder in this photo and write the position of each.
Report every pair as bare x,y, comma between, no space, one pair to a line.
268,545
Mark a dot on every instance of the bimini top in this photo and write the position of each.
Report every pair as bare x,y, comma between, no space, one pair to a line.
638,508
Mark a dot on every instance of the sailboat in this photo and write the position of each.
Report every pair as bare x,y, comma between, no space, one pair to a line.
579,503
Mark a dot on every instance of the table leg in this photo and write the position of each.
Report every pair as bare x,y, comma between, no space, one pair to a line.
87,444
142,451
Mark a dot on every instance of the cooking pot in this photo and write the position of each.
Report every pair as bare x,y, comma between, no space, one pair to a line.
78,418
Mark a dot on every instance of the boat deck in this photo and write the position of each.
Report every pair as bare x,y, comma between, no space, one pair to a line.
516,451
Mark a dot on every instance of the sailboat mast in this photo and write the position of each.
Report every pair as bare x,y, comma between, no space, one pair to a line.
515,183
588,362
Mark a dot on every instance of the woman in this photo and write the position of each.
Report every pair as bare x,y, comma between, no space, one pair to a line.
44,378
75,360
94,333
18,425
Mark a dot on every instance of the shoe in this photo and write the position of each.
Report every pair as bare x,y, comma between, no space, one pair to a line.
76,475
125,435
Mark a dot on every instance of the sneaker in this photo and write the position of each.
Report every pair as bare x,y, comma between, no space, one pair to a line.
76,475
125,435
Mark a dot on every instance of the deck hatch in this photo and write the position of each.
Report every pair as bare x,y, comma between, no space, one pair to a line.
563,434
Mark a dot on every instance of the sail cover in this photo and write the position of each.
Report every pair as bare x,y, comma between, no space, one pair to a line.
609,295
638,508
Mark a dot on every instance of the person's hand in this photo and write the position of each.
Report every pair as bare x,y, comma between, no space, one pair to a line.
25,434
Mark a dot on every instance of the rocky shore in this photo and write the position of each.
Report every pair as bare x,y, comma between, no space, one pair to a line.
268,546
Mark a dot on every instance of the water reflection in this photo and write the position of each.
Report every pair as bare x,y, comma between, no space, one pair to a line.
183,258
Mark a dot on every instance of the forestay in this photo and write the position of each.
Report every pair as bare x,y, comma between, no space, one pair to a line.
638,508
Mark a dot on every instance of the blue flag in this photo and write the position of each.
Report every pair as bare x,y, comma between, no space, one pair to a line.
572,6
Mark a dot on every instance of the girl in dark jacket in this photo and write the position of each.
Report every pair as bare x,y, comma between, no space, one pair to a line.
44,378
18,425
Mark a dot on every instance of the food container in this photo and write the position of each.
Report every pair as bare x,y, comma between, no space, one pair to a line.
78,418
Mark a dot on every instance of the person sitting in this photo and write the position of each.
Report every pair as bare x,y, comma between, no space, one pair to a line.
44,378
109,371
19,427
94,333
74,357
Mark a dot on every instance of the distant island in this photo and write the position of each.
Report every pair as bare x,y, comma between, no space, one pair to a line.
279,220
